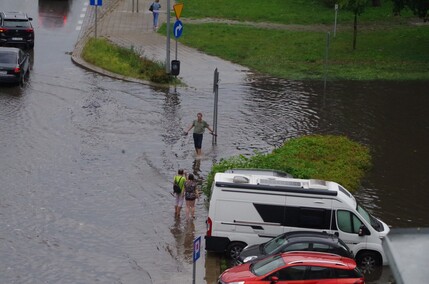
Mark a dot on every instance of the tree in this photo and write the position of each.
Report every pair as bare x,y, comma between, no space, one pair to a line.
419,7
357,7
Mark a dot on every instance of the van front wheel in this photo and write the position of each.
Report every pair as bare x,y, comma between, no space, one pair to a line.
368,261
234,249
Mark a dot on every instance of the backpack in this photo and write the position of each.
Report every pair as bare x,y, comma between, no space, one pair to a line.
151,7
190,189
176,187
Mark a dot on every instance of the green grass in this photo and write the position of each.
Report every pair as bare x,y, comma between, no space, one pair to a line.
123,61
388,47
282,11
332,158
392,54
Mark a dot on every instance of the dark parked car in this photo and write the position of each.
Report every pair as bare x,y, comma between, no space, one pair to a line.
14,65
16,30
296,267
296,241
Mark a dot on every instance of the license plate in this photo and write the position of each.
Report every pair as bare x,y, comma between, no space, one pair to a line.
3,72
17,38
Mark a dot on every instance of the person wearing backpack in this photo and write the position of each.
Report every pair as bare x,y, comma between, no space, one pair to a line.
178,191
154,8
191,193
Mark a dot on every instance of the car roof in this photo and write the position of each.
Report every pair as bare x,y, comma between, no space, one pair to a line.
15,15
319,259
309,234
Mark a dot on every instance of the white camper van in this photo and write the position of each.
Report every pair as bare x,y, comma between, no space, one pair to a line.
249,207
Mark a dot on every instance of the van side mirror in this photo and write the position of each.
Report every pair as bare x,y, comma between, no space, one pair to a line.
363,231
274,279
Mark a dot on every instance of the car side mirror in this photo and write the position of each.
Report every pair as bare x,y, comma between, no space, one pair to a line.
30,19
363,231
274,279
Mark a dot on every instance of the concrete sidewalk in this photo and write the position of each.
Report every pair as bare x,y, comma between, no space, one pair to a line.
123,25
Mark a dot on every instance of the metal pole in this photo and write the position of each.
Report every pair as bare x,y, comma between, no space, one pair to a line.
133,7
335,25
96,8
326,59
137,6
176,49
215,105
193,272
167,57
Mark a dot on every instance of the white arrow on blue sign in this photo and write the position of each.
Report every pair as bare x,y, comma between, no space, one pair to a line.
95,2
178,28
197,248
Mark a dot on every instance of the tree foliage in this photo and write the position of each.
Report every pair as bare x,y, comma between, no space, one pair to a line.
419,7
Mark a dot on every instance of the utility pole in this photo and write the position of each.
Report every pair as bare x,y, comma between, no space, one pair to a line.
167,57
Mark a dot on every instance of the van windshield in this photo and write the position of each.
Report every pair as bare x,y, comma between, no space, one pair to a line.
369,218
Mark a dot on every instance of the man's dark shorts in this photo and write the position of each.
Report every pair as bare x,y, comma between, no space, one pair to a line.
198,140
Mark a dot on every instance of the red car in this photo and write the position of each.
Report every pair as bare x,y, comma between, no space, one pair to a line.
296,268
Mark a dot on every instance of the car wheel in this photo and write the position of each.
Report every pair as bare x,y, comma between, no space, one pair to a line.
234,249
368,261
22,80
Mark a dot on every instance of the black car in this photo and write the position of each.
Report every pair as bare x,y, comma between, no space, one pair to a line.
16,30
296,241
14,65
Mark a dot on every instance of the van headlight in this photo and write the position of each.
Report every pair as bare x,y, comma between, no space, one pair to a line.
249,258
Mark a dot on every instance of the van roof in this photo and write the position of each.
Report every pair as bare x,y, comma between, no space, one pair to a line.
262,182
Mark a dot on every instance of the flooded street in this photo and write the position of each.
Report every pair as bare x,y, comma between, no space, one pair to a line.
87,162
86,166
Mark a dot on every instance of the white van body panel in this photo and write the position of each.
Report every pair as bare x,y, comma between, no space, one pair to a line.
240,202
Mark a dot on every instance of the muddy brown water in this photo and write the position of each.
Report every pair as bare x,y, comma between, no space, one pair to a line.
86,163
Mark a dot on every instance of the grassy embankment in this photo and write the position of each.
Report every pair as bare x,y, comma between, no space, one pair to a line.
333,158
126,62
388,47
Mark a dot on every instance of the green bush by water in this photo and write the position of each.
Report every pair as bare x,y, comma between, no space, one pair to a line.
332,158
126,62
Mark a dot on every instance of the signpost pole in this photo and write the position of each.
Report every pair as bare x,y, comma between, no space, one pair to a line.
215,104
96,8
96,3
167,57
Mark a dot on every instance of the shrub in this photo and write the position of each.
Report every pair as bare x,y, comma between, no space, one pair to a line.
326,157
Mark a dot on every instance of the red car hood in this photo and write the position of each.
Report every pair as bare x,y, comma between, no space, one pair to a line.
238,273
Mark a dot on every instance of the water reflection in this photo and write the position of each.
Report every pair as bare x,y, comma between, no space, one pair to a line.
53,13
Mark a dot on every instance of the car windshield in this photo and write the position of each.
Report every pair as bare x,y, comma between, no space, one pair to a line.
271,246
369,218
7,58
16,24
267,265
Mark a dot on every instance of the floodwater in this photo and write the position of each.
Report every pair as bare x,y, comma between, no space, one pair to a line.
86,165
86,162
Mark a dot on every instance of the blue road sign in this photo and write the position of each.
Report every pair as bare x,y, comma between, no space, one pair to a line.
95,2
178,28
197,248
